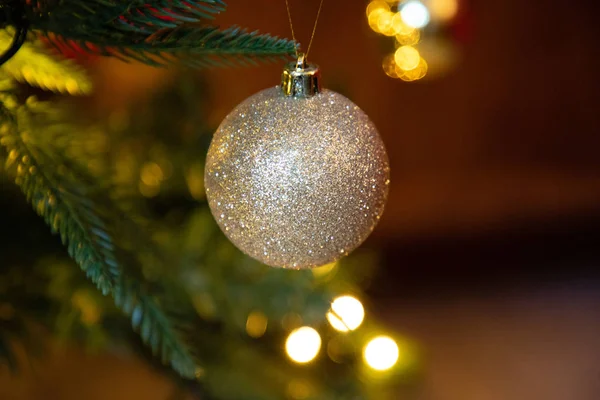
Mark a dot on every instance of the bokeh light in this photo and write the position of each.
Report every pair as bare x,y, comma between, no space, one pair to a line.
389,66
374,19
443,10
303,344
400,27
407,58
414,74
347,313
415,14
381,353
256,324
377,5
384,23
411,38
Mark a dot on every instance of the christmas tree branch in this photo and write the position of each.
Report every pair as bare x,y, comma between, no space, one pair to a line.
157,33
197,47
84,219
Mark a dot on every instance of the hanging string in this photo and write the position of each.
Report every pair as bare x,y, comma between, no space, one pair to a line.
312,36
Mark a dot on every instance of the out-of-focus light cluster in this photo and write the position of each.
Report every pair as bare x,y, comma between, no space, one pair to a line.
303,344
405,21
381,353
347,314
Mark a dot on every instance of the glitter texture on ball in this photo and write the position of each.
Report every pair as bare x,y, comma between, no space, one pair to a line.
297,182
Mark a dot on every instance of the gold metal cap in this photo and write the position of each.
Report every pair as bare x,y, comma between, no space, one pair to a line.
300,79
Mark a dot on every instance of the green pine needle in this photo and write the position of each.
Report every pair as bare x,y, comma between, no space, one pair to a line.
132,15
76,210
197,47
157,33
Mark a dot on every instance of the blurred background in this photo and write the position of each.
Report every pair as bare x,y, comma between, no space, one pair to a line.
491,238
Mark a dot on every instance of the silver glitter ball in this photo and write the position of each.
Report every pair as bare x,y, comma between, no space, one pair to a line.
297,182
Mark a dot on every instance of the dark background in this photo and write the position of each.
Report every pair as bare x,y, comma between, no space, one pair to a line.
491,235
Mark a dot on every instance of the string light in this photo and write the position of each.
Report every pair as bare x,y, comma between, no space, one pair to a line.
407,58
414,74
400,27
408,27
347,313
384,23
415,14
303,345
381,353
443,10
411,38
377,5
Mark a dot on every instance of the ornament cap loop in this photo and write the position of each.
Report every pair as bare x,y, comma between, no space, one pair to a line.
301,79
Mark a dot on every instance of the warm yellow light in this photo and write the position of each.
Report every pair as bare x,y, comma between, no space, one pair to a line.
407,58
381,353
400,27
389,66
384,23
374,19
409,39
303,344
415,14
414,74
377,5
347,313
324,270
443,10
151,174
256,324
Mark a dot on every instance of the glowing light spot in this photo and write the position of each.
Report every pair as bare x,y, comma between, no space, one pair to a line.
409,39
256,324
384,23
152,174
407,58
400,27
303,345
389,66
374,19
414,74
381,353
443,10
415,14
347,314
324,271
377,5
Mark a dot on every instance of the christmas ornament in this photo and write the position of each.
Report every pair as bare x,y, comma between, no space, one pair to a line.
297,176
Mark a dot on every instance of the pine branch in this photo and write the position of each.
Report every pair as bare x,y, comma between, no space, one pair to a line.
36,66
74,209
157,33
133,15
195,47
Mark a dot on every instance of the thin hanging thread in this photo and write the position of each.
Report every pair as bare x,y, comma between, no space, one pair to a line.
312,36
